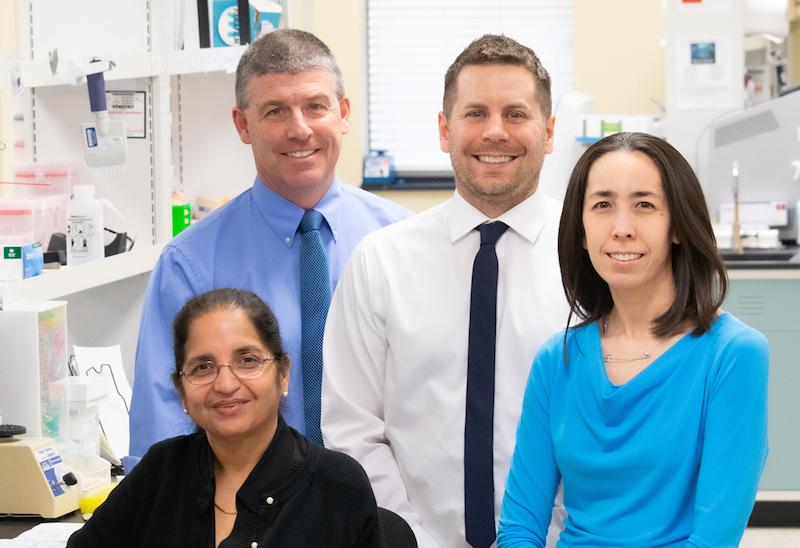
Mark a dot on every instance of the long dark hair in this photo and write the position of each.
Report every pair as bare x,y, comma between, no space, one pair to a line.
698,270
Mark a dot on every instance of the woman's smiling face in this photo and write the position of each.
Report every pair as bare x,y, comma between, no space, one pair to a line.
230,407
626,221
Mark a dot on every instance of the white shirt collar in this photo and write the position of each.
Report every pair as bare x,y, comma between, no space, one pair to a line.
527,218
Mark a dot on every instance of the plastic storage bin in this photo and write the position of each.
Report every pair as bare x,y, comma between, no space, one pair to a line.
34,205
18,223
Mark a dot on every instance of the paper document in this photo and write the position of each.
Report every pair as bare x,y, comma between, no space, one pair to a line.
44,535
704,75
106,361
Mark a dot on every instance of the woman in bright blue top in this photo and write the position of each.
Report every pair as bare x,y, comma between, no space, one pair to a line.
653,410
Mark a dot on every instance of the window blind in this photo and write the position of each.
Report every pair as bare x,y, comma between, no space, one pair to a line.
410,44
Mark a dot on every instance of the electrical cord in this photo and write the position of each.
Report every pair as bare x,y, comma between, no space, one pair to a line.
130,241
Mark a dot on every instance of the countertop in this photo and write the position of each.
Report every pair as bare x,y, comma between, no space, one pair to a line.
11,527
785,258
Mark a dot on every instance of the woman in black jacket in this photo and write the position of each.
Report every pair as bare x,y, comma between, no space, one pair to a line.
245,478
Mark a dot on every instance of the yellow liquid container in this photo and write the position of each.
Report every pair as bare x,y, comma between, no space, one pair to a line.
89,502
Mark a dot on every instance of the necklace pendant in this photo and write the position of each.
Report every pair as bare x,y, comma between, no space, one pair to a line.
607,358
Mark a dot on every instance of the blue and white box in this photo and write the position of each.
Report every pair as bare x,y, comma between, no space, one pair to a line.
18,262
265,16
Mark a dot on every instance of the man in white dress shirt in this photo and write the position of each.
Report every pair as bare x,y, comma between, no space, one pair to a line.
396,342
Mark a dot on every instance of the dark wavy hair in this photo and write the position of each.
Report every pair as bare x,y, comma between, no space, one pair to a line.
260,315
698,270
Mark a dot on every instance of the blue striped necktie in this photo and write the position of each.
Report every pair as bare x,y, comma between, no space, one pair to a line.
315,296
479,417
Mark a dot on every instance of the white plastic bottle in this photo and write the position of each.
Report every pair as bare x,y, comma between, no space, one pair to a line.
85,240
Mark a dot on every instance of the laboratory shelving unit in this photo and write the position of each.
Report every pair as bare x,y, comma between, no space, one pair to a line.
85,277
189,143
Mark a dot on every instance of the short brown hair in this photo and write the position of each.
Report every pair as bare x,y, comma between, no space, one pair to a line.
496,49
698,270
285,51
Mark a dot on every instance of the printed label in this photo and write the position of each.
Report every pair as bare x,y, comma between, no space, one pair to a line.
50,461
80,230
12,252
91,137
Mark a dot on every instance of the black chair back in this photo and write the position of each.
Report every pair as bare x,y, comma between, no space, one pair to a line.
395,532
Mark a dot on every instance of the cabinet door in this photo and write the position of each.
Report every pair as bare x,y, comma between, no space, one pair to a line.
773,307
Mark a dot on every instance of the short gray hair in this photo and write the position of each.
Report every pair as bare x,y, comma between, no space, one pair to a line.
285,51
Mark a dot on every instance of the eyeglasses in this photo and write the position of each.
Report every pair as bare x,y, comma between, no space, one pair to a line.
246,366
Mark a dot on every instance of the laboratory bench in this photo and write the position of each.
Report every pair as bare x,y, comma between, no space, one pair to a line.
765,294
784,258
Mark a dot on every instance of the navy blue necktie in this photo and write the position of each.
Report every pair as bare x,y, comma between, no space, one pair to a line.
315,297
478,426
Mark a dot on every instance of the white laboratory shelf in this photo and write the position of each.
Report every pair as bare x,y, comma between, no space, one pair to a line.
55,284
36,73
205,60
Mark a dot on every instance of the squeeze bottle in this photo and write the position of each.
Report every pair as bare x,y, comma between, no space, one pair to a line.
84,226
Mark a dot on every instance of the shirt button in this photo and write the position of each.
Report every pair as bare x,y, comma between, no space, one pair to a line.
254,545
270,500
288,240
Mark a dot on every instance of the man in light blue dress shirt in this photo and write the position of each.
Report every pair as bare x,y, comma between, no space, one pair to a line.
291,109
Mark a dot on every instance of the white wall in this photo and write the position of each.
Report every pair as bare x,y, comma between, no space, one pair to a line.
8,49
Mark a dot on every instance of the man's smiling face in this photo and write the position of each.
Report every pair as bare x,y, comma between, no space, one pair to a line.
295,124
496,135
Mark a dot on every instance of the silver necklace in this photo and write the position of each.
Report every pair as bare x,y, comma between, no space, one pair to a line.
608,358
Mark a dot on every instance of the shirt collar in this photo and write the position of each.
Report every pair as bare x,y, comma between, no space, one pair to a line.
280,464
284,216
527,218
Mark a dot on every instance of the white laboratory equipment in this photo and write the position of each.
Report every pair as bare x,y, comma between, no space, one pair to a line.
571,107
33,336
765,141
35,479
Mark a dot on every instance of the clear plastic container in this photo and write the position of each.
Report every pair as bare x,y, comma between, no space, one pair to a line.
34,205
91,470
32,181
83,396
18,222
